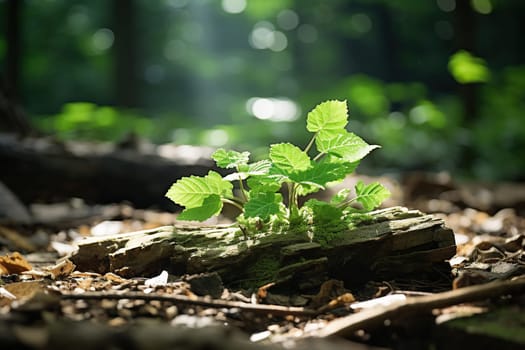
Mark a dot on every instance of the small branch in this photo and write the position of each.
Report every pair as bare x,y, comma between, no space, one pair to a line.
375,317
275,310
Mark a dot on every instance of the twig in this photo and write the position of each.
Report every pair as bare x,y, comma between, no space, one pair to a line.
275,310
371,318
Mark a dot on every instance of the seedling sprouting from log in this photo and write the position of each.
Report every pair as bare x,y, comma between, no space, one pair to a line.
331,155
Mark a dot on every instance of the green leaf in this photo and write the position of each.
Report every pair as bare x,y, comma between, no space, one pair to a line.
329,115
323,172
323,213
371,195
263,205
345,145
261,167
307,188
191,191
211,206
466,68
230,159
288,157
340,196
263,184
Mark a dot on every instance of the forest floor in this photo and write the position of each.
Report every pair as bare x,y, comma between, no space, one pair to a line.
47,303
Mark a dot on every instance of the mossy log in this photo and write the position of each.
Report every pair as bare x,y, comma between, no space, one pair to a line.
394,242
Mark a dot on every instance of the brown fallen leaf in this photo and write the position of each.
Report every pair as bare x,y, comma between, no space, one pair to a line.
61,269
13,264
21,291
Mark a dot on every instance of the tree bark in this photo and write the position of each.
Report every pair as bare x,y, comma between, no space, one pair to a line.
126,54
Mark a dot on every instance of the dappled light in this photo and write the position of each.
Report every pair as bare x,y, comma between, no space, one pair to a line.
416,76
262,174
274,109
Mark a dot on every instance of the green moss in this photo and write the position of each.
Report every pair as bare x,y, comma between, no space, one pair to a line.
262,272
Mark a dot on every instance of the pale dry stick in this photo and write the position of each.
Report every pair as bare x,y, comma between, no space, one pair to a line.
275,310
371,318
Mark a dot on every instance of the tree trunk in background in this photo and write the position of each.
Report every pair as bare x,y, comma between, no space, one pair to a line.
125,54
465,32
465,23
12,118
13,18
390,42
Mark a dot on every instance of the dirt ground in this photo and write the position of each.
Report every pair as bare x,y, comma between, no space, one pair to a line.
46,302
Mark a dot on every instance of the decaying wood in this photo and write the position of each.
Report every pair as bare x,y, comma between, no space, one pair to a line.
48,170
394,242
367,319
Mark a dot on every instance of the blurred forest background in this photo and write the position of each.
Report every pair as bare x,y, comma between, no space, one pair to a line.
439,84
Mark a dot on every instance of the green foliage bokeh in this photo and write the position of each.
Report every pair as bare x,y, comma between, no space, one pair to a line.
397,64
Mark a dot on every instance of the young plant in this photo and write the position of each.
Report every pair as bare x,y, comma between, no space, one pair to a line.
301,171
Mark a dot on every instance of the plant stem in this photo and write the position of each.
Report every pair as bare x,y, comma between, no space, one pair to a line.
241,185
317,157
234,202
310,144
293,209
346,202
290,195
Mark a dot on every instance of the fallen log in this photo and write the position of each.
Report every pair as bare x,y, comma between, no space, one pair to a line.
47,170
393,242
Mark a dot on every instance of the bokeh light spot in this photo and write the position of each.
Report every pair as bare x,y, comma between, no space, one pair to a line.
307,33
102,40
288,19
233,6
482,6
446,5
273,109
279,42
216,137
262,35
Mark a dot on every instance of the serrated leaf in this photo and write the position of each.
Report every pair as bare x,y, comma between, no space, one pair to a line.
340,196
329,115
323,172
372,195
263,184
261,167
191,191
263,205
345,145
230,159
305,189
236,176
212,205
288,157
